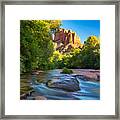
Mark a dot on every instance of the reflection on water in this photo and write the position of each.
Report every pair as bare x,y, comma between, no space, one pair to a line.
89,90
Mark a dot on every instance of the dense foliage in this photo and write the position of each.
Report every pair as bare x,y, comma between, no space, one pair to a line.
90,54
37,49
86,57
36,43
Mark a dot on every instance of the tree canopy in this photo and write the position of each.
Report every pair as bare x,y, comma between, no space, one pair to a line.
90,54
36,43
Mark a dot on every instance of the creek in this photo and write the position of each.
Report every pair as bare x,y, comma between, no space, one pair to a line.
89,90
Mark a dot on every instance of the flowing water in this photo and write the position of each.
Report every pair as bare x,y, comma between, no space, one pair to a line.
89,90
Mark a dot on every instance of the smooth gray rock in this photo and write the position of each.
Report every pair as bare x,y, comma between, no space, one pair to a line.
70,85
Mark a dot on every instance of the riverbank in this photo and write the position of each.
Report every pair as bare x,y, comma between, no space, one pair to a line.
88,74
85,74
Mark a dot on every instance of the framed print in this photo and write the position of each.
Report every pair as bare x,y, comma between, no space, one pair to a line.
60,60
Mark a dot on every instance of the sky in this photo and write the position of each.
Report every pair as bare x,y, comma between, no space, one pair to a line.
83,28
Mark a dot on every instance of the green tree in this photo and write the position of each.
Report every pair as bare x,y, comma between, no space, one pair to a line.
90,54
36,46
75,60
56,59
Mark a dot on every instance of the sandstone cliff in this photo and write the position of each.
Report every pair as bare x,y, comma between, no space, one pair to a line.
65,40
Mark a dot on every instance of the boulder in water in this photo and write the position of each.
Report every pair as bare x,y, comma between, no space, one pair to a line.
69,85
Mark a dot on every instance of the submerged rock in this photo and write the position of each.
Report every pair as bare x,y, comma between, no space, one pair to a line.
70,85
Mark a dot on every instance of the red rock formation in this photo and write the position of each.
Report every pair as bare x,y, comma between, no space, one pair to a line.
66,39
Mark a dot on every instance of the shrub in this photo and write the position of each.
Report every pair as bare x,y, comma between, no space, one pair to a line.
67,71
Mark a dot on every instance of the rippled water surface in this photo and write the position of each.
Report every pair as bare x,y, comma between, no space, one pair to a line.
89,90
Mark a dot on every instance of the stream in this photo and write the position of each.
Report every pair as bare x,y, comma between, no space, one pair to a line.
89,90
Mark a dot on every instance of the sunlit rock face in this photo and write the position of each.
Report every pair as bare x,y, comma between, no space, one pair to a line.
65,40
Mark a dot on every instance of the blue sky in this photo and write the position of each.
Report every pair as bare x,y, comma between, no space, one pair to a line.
83,28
